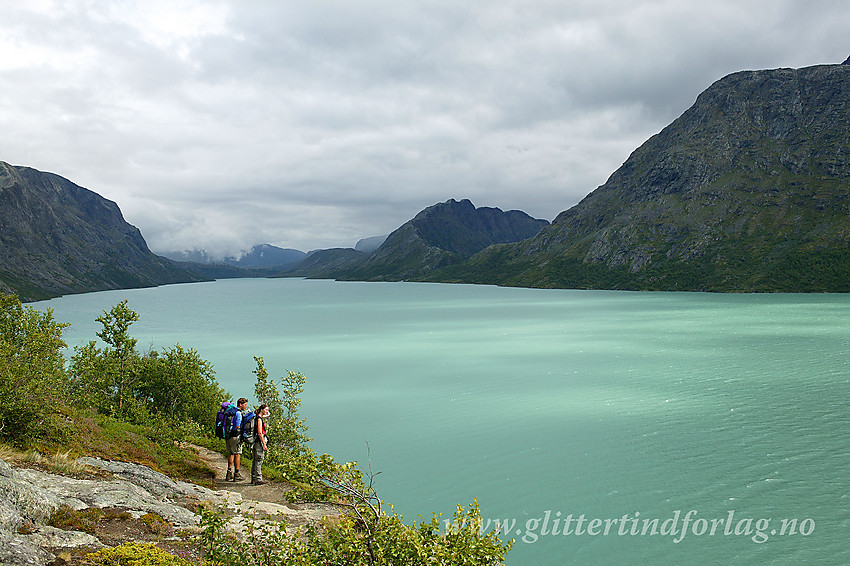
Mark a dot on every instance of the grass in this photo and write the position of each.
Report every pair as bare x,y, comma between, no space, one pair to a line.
61,463
86,433
9,453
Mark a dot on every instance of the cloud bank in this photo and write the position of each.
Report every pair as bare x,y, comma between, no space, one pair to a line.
220,124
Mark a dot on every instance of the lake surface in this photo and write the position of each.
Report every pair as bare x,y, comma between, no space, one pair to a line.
595,424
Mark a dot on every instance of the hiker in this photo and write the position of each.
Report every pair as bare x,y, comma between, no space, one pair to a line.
260,444
234,442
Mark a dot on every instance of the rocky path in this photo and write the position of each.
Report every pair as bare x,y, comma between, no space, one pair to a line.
271,492
267,498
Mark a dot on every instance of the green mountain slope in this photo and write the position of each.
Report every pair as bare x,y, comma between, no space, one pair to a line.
58,238
749,190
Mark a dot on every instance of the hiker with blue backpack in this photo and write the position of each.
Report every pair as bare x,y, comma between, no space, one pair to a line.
228,426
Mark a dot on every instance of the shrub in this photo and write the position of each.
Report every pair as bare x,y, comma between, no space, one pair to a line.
157,525
135,554
69,519
348,540
157,388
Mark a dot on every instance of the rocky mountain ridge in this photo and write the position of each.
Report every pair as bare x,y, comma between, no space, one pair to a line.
749,190
59,238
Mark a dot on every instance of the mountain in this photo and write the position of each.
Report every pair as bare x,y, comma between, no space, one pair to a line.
58,238
440,235
748,190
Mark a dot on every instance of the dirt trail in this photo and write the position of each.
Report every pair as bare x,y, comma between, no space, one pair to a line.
270,492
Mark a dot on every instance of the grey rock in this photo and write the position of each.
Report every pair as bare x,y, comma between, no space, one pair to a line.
82,493
152,481
5,470
17,550
21,501
30,496
51,537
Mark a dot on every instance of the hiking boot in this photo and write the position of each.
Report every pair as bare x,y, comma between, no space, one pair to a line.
258,482
229,476
237,476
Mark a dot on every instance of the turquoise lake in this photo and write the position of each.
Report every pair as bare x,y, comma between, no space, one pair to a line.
565,413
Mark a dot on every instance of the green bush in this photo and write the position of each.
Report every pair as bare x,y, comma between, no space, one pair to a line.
347,540
173,390
32,378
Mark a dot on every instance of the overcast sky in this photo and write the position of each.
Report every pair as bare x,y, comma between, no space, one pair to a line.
219,124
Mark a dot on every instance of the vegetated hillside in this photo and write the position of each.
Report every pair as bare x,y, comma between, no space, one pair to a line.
749,190
58,238
441,235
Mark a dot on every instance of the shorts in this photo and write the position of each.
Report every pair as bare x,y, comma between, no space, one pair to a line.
234,445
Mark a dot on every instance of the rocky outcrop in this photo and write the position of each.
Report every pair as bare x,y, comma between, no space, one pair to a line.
29,497
58,238
749,190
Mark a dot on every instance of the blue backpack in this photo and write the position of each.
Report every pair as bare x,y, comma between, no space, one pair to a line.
224,420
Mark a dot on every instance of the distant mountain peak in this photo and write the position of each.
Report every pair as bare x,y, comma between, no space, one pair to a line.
440,235
458,227
266,255
846,62
259,256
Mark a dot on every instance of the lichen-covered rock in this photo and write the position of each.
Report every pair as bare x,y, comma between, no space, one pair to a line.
17,550
152,481
83,493
51,537
28,498
21,501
